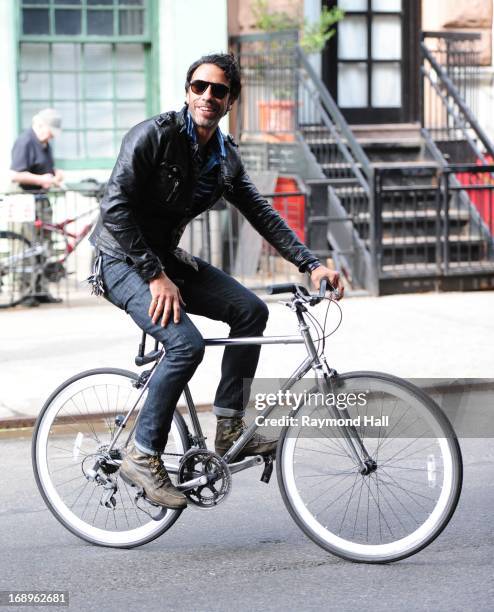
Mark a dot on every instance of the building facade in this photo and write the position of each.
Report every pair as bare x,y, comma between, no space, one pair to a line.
104,64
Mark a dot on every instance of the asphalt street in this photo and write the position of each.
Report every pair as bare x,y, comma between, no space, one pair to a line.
246,554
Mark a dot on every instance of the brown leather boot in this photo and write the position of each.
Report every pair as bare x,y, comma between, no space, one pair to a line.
148,472
228,430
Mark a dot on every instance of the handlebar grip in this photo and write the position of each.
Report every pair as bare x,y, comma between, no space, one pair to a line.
285,288
323,287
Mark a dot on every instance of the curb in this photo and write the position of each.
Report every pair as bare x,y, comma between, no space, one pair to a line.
27,422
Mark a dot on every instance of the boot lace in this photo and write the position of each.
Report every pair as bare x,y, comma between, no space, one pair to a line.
158,469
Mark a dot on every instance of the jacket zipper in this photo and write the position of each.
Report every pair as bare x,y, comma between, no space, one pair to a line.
173,191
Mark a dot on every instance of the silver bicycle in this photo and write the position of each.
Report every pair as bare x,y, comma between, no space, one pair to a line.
367,464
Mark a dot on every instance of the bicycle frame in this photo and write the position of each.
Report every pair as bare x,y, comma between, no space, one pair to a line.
313,361
60,229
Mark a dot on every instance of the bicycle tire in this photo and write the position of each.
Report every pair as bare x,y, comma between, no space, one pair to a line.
15,269
68,419
331,527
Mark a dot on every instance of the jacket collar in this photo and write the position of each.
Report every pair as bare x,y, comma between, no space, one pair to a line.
218,144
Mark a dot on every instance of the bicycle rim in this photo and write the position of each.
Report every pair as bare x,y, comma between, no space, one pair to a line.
72,430
393,512
16,268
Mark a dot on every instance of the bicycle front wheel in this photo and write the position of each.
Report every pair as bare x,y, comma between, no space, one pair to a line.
72,432
408,497
17,264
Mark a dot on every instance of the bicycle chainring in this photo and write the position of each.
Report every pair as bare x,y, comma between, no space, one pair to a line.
200,462
54,271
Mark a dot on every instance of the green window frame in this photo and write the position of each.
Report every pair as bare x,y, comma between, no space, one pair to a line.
96,62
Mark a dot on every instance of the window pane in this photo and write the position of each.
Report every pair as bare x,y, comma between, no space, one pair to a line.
99,115
67,146
386,38
100,23
98,57
131,22
29,109
66,56
36,2
67,1
352,85
353,5
35,85
130,85
133,2
352,38
99,86
66,85
130,57
71,115
386,85
100,144
100,2
35,55
130,113
388,6
35,21
67,22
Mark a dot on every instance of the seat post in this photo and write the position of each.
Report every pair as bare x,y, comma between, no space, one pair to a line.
142,345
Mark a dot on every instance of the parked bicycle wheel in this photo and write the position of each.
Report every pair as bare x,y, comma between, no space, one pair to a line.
72,431
17,263
395,510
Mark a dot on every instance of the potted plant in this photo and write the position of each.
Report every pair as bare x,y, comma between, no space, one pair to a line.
277,112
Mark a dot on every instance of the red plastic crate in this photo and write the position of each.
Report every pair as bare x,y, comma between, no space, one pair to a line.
483,199
291,208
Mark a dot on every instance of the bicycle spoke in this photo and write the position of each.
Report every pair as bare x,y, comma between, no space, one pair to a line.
348,502
392,502
77,427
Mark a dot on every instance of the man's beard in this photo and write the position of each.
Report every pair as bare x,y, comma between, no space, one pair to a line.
205,122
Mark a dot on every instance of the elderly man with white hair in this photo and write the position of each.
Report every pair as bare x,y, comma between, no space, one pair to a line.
33,169
32,165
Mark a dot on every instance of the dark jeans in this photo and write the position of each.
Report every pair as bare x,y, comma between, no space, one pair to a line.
208,292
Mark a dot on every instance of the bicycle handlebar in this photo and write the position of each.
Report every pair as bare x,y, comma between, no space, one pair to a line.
286,288
301,291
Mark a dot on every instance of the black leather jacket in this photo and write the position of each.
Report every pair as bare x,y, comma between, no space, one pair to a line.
147,202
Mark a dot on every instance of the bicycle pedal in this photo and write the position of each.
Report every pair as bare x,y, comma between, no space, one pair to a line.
268,469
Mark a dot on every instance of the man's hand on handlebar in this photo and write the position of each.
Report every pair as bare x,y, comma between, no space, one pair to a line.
334,278
165,297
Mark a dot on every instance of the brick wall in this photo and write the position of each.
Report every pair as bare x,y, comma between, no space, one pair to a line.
241,18
463,15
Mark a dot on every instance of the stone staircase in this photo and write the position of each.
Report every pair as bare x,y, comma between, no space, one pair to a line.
411,228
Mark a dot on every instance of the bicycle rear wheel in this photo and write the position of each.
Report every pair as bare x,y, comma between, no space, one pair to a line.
72,431
17,264
395,510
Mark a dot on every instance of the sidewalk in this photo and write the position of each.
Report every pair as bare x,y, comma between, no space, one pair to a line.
448,335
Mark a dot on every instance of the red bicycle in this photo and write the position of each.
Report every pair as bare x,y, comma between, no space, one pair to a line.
27,265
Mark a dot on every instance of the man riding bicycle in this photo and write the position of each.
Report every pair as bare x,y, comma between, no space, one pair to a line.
170,169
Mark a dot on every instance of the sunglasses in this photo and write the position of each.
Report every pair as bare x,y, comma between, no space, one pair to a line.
218,90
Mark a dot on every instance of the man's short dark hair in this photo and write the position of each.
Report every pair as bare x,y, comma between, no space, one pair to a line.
227,63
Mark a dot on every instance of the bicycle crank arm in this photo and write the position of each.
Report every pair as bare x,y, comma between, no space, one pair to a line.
192,484
245,464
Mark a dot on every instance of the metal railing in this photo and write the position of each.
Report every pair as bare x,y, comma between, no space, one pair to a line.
53,227
426,225
308,115
58,262
224,238
449,98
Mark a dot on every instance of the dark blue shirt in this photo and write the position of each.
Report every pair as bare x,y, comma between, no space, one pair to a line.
208,165
30,155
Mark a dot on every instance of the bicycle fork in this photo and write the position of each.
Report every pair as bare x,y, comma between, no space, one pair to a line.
324,374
